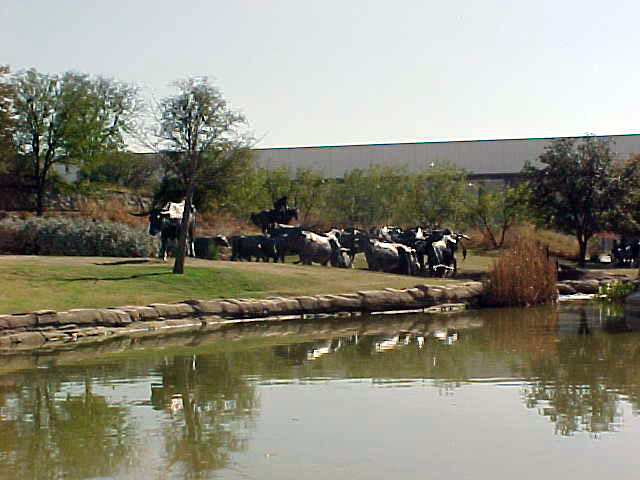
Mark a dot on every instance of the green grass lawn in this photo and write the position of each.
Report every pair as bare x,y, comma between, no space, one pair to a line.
59,283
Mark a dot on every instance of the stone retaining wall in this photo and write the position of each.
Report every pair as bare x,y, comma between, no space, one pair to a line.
47,328
588,286
51,329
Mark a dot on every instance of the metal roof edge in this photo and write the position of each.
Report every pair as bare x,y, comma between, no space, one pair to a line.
386,144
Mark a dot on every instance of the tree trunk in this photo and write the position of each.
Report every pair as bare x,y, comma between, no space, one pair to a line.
492,238
582,243
40,199
503,234
178,266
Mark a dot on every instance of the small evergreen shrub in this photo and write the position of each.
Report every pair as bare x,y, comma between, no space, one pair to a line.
616,290
521,276
212,253
75,236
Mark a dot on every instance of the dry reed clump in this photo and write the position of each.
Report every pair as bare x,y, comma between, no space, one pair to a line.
521,276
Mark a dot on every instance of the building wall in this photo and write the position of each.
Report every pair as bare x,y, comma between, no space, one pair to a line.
481,157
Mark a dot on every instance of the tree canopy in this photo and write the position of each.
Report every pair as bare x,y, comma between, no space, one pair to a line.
577,187
494,211
68,119
7,149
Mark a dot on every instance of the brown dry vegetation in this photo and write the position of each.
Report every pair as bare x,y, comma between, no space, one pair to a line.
522,275
560,245
109,210
208,224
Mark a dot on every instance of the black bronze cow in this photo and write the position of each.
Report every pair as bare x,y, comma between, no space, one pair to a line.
169,230
440,248
245,247
265,218
391,257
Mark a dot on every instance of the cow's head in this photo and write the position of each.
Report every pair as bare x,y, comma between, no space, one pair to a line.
221,241
156,219
291,214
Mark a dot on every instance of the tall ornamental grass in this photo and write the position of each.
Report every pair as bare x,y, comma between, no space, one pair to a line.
75,237
521,276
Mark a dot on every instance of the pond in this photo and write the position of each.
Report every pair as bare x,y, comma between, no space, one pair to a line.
495,394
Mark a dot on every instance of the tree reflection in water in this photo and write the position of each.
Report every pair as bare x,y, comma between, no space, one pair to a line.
580,385
48,434
575,368
211,409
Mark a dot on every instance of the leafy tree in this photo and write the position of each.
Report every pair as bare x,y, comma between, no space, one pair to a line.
67,119
276,183
304,188
366,197
435,196
577,187
625,218
132,170
308,192
244,195
202,144
495,211
7,148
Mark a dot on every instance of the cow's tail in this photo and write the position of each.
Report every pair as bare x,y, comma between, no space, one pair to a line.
192,233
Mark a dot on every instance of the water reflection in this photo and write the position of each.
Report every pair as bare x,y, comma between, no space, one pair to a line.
47,420
189,405
210,409
581,386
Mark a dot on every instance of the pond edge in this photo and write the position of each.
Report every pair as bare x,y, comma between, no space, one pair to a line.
51,329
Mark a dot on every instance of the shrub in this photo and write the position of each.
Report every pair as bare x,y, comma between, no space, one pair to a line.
74,236
212,253
616,290
521,276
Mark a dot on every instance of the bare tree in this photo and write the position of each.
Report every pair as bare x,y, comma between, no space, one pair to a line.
202,143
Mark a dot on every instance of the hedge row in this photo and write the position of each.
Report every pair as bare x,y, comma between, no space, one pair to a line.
70,236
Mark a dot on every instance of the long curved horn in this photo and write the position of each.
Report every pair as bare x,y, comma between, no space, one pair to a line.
143,214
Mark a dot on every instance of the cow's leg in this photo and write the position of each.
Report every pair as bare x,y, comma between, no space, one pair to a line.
421,262
163,251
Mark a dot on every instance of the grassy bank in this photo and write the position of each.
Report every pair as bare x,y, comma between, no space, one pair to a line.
60,283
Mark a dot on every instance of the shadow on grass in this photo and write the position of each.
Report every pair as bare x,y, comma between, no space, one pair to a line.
125,262
128,277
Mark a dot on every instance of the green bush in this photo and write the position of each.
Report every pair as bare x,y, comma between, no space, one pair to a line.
66,236
616,290
212,253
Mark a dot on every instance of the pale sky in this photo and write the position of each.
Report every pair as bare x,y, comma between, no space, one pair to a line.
350,72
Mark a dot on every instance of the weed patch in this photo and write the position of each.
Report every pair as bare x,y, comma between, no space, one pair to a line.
521,276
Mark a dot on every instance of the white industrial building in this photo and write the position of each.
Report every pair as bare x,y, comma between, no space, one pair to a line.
483,158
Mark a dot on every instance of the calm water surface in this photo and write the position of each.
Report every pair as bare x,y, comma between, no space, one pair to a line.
485,395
